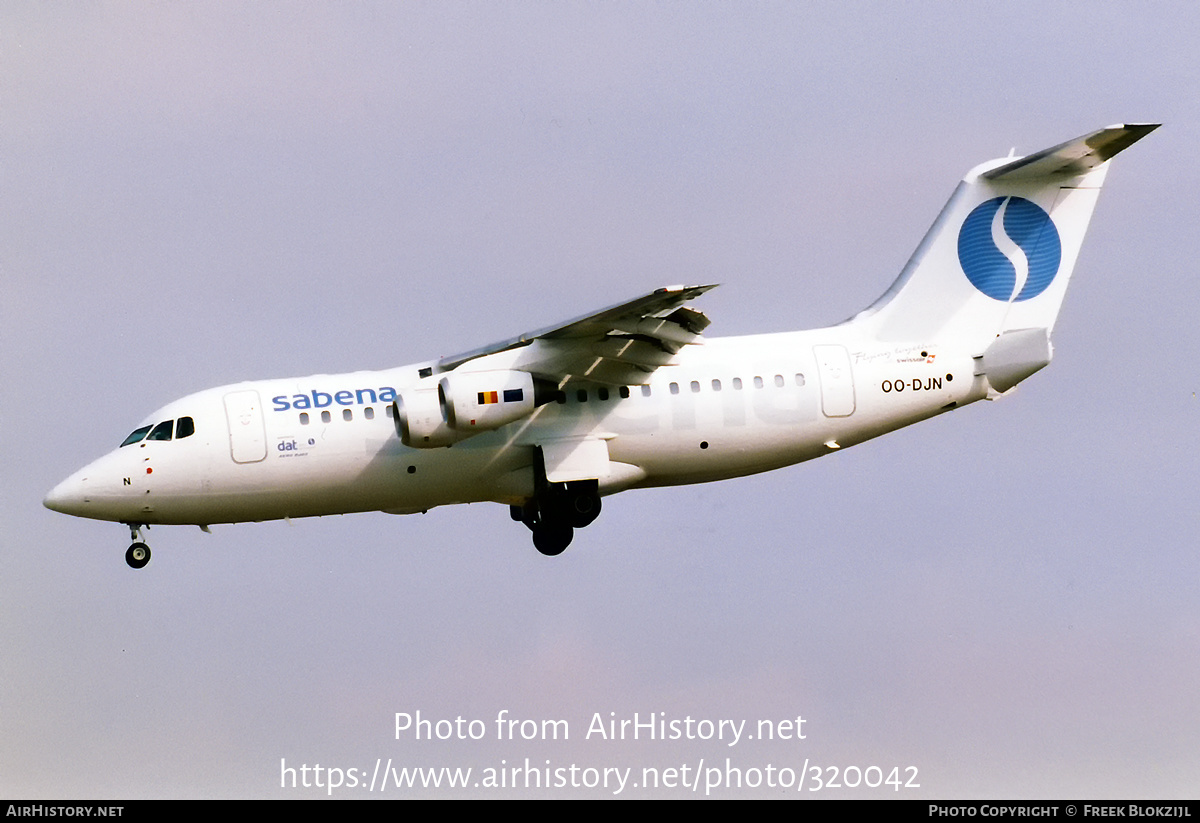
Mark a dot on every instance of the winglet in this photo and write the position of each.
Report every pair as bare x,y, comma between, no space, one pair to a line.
1075,157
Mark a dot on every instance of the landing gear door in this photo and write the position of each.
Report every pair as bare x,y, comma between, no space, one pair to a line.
578,458
837,380
247,433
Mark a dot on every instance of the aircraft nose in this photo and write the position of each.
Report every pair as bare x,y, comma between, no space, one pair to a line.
69,496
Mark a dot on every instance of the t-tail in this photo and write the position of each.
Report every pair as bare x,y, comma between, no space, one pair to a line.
991,273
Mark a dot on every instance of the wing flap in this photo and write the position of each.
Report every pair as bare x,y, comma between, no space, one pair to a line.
634,351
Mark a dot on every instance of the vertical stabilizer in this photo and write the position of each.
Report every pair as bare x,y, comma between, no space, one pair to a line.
999,256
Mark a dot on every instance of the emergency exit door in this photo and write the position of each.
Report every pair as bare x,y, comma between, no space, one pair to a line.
837,380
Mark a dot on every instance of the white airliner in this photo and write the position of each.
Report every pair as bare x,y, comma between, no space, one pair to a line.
629,397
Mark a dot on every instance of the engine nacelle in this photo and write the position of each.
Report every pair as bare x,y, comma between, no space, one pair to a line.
419,420
463,405
486,400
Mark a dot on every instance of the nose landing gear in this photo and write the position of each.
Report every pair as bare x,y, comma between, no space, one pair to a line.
138,554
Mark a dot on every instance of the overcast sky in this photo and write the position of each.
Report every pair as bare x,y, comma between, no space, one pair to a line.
1005,598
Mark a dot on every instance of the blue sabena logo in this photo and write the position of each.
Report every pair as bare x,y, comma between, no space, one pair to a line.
1009,249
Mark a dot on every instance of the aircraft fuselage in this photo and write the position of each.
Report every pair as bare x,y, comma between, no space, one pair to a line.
327,444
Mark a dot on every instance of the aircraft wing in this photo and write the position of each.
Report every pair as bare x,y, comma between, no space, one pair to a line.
619,345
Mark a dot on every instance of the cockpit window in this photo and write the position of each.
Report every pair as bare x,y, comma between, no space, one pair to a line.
136,435
162,431
186,428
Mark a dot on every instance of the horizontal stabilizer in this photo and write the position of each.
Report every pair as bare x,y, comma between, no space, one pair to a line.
1075,157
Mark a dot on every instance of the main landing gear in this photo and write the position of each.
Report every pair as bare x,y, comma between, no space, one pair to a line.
556,511
138,554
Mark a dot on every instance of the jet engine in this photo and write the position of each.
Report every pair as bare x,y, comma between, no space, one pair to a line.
417,413
463,405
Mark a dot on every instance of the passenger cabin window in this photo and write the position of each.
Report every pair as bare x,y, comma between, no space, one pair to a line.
646,390
347,415
325,417
303,418
737,383
623,391
369,412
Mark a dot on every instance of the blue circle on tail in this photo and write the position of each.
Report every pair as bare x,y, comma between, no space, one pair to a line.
994,272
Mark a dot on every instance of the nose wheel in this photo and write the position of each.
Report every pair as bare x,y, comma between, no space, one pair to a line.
138,554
